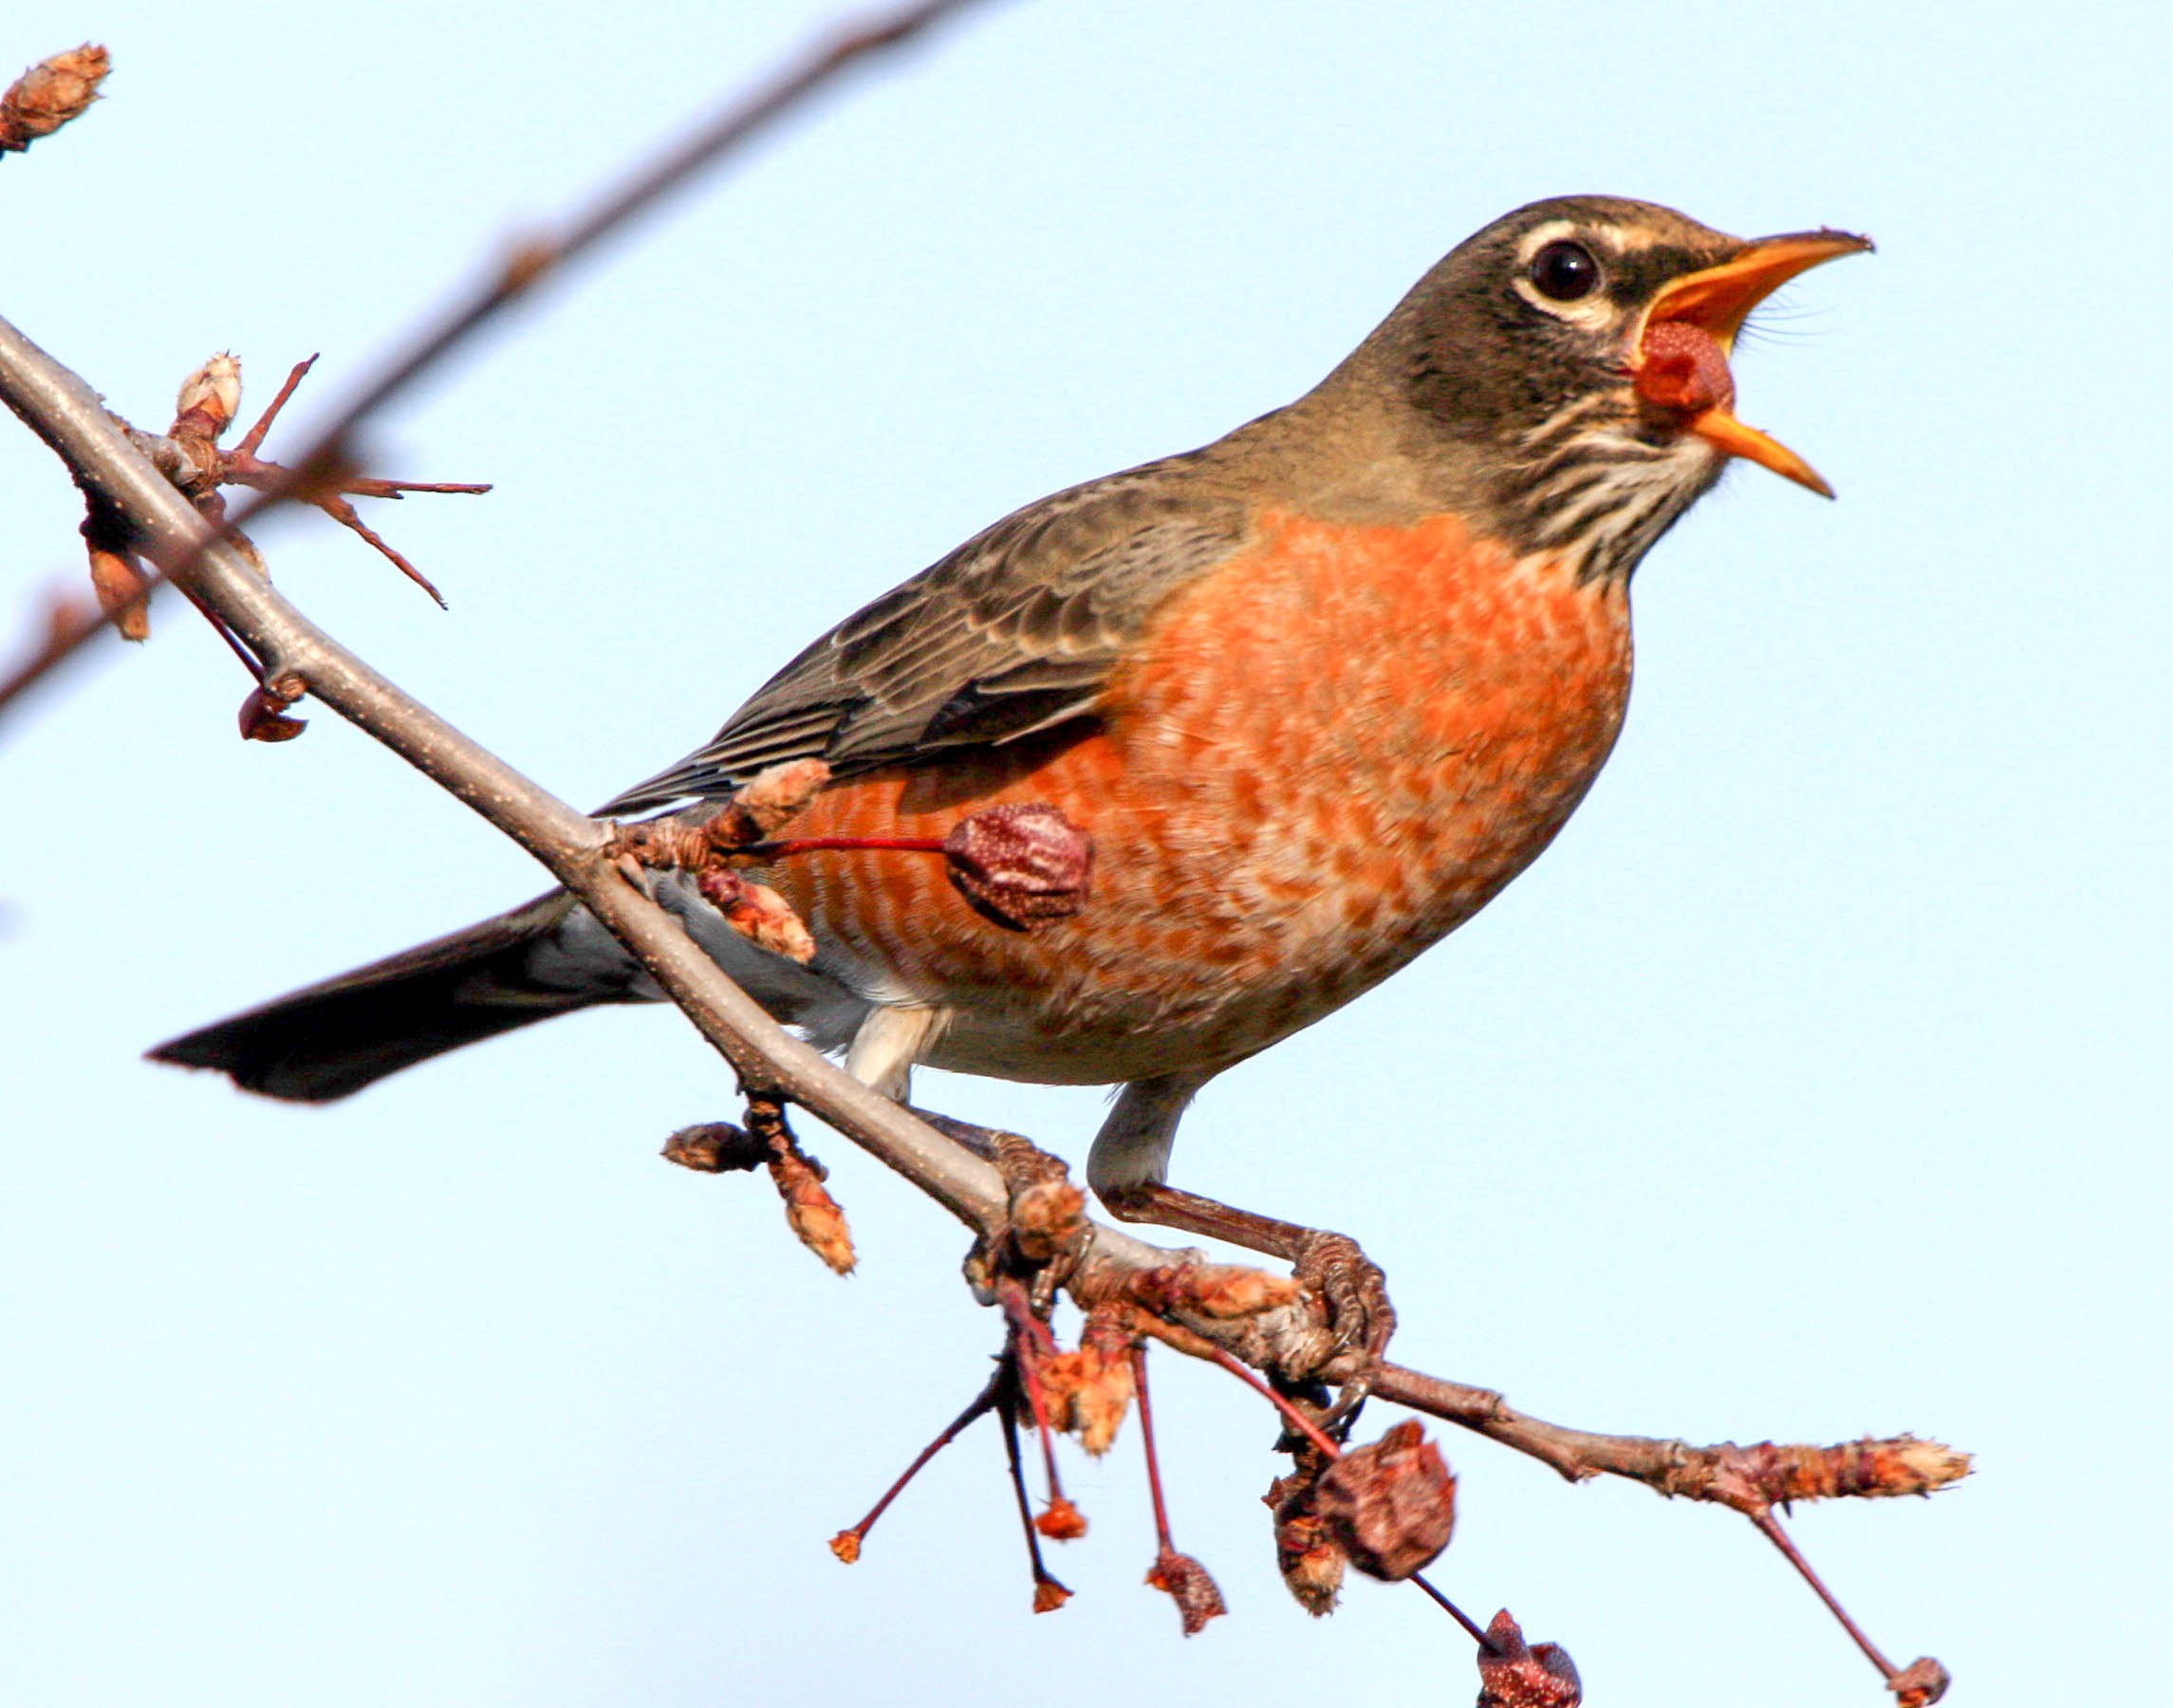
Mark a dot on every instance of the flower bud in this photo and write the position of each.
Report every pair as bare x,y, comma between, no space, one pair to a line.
49,94
212,392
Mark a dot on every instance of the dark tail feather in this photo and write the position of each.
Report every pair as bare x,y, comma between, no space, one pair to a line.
336,1037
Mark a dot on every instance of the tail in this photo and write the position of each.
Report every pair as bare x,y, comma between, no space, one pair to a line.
334,1038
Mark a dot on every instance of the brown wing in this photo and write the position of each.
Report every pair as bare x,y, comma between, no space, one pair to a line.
1015,631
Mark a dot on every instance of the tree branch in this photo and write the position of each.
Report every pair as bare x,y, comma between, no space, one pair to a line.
66,414
70,627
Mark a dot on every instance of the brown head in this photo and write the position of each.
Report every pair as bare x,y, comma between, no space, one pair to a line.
1562,377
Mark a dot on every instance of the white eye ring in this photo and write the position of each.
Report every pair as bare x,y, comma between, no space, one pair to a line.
1593,309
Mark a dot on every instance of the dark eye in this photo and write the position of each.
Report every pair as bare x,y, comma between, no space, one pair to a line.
1565,271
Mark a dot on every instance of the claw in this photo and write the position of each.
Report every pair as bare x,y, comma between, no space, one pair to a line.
1353,1293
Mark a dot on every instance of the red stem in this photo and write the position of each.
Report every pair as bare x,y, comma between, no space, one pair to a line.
1162,1542
983,1401
254,436
1769,1527
1027,1334
1455,1612
1007,1411
1291,1415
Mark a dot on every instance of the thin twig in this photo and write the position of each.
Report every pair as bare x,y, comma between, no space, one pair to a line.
985,1401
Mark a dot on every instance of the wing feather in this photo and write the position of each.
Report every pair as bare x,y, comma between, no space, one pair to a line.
1013,632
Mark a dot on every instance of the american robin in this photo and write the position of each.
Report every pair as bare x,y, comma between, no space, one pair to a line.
1316,691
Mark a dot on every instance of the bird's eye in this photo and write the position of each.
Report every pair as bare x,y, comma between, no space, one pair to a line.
1565,271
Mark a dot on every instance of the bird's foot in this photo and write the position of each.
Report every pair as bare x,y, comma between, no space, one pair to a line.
1350,1290
1045,1232
1352,1298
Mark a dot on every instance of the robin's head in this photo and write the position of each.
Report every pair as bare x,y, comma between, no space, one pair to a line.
1570,362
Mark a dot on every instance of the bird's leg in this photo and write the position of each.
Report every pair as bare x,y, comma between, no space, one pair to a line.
1349,1285
1126,1170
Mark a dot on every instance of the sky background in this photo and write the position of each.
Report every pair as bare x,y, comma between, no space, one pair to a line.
1813,1084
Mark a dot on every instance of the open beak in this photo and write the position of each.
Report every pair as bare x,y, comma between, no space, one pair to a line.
1683,344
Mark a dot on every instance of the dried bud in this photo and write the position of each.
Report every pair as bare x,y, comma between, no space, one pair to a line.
1306,1552
1025,866
120,584
1090,1390
49,94
1312,1566
1766,1473
845,1545
213,394
1920,1683
1045,1216
1048,1594
1514,1676
263,717
715,1147
759,914
1184,1580
1211,1289
761,807
773,798
811,1211
1391,1505
1060,1521
1231,1289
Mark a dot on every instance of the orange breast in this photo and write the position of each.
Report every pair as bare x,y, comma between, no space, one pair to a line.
1327,755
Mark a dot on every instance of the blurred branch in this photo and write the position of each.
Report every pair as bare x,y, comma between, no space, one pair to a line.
69,627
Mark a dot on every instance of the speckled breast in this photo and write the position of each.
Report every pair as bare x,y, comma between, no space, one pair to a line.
1324,756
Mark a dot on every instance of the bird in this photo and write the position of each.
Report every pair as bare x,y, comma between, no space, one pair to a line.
1315,692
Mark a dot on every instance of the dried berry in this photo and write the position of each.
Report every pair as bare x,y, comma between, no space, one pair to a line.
1920,1683
1060,1521
715,1147
1023,866
1184,1580
1392,1505
1515,1676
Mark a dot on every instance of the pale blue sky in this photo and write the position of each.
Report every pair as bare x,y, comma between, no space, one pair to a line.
1813,1084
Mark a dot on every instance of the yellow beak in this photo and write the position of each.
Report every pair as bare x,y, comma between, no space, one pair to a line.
1683,342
